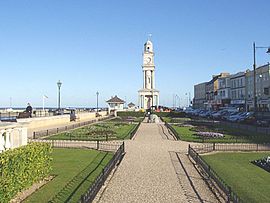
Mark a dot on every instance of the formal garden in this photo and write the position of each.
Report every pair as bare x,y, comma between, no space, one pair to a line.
100,131
191,130
249,181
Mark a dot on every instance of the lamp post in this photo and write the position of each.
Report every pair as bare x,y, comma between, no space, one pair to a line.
254,74
97,100
59,83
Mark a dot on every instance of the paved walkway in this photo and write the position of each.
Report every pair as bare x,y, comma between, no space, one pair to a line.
156,169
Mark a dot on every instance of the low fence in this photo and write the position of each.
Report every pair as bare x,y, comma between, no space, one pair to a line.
172,130
43,133
205,148
95,187
134,130
110,146
230,195
194,152
14,114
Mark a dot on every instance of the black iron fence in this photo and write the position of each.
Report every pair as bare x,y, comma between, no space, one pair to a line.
44,133
110,146
205,148
173,131
230,196
134,130
95,187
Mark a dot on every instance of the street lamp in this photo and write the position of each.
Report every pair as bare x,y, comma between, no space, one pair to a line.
97,100
59,83
254,74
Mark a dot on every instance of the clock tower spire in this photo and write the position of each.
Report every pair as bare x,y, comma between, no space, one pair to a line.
148,96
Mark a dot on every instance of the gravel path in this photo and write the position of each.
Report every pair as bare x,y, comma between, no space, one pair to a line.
150,171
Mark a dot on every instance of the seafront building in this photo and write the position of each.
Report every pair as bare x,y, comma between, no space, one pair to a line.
199,95
262,88
212,99
235,90
115,104
238,90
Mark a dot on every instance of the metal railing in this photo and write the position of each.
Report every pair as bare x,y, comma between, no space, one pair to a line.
172,130
230,196
45,133
91,193
205,148
134,130
110,146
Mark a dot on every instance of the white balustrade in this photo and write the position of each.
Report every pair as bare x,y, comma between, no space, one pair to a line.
12,137
2,140
7,139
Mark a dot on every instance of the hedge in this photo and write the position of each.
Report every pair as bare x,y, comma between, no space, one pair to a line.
130,113
23,166
171,114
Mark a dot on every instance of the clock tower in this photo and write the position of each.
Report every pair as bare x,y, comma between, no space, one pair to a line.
148,95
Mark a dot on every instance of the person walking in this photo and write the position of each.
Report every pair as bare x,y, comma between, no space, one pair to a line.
29,110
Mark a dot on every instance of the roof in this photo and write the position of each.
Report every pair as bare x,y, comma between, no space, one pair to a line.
131,104
115,99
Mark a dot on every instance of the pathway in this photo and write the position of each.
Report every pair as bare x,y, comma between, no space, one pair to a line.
156,169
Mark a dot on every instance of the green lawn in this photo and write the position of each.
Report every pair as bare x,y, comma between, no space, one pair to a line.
74,171
250,182
175,120
99,131
186,134
230,135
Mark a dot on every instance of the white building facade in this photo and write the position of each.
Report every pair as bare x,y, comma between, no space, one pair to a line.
223,91
199,95
238,90
148,95
262,88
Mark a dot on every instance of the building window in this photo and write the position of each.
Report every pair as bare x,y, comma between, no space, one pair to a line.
266,91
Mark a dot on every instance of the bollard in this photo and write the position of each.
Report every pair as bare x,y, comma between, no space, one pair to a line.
34,135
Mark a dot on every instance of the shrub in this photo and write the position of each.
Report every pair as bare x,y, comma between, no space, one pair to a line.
130,113
171,114
23,166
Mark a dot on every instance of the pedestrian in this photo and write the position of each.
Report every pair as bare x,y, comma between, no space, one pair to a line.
29,110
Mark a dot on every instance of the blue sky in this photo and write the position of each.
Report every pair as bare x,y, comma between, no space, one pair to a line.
97,46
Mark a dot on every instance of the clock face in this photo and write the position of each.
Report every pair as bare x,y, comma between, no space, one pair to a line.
148,60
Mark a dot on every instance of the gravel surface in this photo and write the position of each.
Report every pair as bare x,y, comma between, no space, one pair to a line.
150,171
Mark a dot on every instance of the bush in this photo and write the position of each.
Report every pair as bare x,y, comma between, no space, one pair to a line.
171,114
23,166
130,113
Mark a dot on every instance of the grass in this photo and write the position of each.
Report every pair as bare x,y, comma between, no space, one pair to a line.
230,135
74,170
175,120
127,119
250,182
187,134
100,131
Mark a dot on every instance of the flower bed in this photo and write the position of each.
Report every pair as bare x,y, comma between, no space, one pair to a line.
263,163
210,134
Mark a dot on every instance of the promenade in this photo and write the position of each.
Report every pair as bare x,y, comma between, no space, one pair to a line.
156,169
